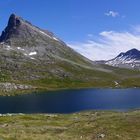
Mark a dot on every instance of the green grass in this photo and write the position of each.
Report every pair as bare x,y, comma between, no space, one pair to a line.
66,75
84,125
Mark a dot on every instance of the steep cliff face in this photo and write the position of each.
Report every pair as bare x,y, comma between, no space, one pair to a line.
11,29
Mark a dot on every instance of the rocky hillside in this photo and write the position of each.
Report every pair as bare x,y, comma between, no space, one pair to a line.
29,53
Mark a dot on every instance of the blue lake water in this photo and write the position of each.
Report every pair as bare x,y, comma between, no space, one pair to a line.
68,101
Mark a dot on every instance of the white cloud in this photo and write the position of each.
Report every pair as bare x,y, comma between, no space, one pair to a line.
108,45
112,14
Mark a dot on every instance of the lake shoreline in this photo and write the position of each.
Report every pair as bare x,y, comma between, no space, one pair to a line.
41,91
78,112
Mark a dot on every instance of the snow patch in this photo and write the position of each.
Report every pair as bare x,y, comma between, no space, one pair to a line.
55,39
123,60
32,58
51,37
44,34
19,48
8,47
33,53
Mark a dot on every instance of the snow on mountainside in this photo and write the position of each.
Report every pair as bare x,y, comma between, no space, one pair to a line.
130,59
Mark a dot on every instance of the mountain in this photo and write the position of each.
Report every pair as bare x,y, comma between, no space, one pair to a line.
129,59
34,59
30,55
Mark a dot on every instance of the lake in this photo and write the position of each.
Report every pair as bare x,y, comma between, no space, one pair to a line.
68,101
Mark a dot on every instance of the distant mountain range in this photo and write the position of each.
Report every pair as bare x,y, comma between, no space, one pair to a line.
35,59
129,59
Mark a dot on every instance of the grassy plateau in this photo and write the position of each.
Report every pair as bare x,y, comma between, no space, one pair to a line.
90,125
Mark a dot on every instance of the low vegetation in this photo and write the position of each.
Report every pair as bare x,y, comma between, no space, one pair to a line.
79,126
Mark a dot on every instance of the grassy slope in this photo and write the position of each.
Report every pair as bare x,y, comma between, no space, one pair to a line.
86,126
82,78
72,71
79,78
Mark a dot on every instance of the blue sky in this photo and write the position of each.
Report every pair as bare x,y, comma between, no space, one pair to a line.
86,25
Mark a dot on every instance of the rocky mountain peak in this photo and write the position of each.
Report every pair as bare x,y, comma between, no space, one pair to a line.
12,28
133,53
20,32
30,41
14,21
129,59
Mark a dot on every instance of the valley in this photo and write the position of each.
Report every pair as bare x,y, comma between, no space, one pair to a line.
33,59
69,70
